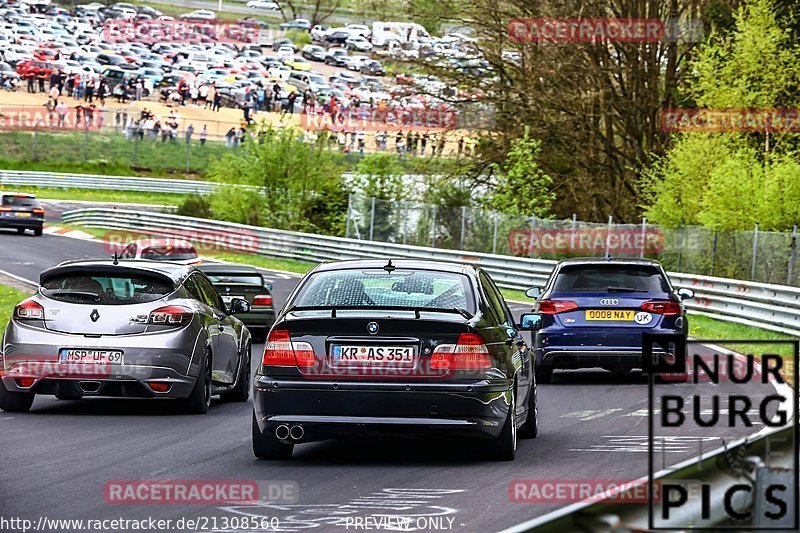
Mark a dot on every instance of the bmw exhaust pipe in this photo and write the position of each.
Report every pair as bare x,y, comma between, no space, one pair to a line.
282,432
297,432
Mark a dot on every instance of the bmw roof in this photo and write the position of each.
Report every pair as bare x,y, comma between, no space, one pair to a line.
407,264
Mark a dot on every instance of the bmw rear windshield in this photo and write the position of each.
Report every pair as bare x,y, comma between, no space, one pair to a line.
116,286
401,289
602,278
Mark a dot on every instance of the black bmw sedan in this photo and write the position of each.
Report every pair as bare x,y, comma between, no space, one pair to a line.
394,348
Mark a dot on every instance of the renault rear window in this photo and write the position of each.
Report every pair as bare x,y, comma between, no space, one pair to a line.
106,288
611,278
424,289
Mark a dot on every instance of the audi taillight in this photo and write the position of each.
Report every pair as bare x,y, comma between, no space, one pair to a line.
38,211
662,307
281,351
171,315
554,307
263,299
29,310
469,353
5,208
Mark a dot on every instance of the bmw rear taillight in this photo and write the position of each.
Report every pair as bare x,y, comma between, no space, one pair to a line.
29,310
554,307
662,307
469,353
171,315
263,299
281,351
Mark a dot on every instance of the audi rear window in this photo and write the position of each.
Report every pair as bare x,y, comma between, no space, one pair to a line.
106,288
610,278
426,289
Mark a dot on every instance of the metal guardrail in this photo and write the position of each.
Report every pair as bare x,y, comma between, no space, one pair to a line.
713,468
98,182
773,307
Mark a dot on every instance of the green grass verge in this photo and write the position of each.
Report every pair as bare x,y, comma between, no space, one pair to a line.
129,197
9,297
101,153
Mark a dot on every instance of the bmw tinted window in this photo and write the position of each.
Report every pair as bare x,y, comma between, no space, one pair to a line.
610,278
107,288
400,288
233,277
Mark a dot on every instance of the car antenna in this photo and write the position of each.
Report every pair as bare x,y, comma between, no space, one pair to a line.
390,267
116,259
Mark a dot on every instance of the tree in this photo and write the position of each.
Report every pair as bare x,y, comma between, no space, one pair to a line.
522,187
321,10
303,186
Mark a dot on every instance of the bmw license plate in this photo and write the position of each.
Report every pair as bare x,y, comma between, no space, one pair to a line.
394,355
609,314
98,357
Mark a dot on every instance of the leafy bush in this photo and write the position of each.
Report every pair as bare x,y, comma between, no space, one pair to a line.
299,37
195,206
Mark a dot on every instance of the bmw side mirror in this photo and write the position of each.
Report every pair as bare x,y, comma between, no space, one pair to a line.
685,294
533,292
269,287
239,305
530,321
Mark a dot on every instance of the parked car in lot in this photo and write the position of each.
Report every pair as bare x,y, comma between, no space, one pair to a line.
297,63
246,283
313,52
278,43
318,32
592,313
296,24
308,80
126,329
21,212
372,68
367,347
199,15
358,43
263,5
336,37
162,249
336,58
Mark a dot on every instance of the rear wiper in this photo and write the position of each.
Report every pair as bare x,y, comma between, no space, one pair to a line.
81,294
624,289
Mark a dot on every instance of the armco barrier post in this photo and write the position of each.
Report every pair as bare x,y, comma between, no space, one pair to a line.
572,233
608,235
680,246
533,231
792,256
405,220
463,224
755,253
713,253
349,215
494,234
433,228
372,219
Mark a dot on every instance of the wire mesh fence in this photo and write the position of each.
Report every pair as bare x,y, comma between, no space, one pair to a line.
769,257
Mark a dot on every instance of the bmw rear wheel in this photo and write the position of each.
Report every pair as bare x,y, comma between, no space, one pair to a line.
505,446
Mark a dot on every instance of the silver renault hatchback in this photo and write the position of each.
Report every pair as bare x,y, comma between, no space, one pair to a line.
126,329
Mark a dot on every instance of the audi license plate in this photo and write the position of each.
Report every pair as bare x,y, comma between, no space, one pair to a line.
394,355
98,357
609,314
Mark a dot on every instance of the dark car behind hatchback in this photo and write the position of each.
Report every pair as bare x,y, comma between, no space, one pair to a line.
594,312
21,212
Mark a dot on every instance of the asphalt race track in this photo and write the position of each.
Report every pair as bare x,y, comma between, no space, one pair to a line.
58,458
